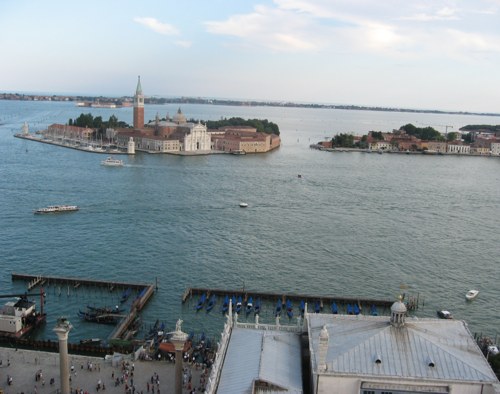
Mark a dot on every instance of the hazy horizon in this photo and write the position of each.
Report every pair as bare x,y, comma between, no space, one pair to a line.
441,55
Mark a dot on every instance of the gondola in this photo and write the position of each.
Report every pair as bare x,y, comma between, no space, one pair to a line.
125,295
239,304
225,304
201,301
257,306
302,307
277,310
211,302
249,306
289,308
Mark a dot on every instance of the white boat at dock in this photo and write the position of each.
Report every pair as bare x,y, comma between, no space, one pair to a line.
110,161
57,209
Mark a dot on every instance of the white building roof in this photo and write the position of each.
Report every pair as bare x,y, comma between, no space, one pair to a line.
423,348
271,357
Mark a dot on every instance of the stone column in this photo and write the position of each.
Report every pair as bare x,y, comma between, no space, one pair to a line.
178,339
62,329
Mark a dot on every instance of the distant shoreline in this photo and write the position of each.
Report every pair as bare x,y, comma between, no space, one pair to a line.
122,101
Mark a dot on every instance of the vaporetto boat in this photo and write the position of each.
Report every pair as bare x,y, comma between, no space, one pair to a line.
57,209
112,162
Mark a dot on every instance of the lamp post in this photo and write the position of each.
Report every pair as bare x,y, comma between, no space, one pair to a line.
62,328
178,339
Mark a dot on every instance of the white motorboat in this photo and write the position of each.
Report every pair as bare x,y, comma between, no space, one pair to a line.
57,209
243,205
471,294
112,162
444,314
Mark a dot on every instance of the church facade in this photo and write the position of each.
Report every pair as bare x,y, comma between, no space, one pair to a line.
178,136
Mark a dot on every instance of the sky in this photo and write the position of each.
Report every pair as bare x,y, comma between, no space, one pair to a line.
421,54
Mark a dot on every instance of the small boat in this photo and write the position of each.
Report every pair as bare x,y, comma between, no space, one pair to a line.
444,314
225,304
373,310
471,294
350,310
90,341
125,295
249,305
239,303
257,306
302,307
243,205
239,152
57,209
105,309
201,301
211,302
277,310
317,307
289,308
335,308
109,161
356,309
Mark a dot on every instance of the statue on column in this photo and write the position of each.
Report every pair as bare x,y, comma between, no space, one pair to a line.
178,325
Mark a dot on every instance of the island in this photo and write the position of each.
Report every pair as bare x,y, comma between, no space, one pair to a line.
475,140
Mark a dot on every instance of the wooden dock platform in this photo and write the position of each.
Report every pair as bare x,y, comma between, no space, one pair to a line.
325,300
123,329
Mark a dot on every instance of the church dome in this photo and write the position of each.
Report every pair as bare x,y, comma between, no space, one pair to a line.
398,307
179,117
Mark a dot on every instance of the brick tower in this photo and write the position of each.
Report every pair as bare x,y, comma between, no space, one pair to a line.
138,106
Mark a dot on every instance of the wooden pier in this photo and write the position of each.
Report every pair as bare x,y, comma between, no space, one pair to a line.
124,329
295,298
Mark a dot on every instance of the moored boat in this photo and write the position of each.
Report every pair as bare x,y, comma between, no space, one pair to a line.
57,209
289,308
277,310
249,306
211,302
257,306
471,294
335,308
201,301
125,295
239,304
225,304
243,205
444,314
373,310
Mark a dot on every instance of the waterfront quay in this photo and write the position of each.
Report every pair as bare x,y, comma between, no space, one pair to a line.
123,330
74,144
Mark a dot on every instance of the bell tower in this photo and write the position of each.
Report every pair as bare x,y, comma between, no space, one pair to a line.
138,106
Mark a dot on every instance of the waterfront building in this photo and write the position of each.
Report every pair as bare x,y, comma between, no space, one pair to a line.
437,146
495,148
243,138
381,146
168,136
458,147
349,354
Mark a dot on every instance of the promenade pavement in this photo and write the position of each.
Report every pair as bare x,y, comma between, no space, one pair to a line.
23,366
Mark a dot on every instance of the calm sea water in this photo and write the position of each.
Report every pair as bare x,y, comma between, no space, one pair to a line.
354,225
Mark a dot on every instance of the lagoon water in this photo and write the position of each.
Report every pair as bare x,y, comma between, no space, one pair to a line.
355,224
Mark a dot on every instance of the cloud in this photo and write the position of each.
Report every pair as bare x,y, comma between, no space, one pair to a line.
272,28
157,26
183,44
364,27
